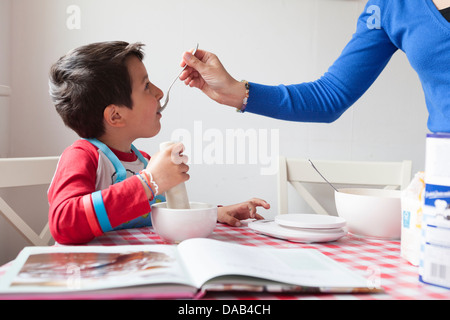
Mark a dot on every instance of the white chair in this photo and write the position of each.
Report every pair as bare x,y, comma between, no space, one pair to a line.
391,175
21,172
5,91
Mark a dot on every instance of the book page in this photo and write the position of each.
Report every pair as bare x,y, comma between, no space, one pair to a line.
207,259
66,269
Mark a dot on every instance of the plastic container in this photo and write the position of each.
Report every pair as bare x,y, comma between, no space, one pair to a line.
434,265
412,213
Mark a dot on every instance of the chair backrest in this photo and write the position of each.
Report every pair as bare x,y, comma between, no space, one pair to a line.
391,175
5,91
21,172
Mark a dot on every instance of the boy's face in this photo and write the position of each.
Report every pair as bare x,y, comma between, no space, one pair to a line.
144,118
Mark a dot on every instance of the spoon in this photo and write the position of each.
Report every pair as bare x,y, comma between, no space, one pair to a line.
322,176
168,91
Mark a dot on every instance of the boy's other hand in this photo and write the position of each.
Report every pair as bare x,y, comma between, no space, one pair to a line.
169,168
232,214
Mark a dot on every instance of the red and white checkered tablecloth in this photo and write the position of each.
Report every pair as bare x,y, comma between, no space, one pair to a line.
377,260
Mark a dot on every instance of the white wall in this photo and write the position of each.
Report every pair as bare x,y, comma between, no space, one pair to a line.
5,74
266,41
5,46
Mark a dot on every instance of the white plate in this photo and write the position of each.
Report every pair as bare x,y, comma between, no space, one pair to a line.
310,221
273,229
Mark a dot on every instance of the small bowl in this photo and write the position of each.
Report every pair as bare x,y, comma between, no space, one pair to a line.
176,225
371,212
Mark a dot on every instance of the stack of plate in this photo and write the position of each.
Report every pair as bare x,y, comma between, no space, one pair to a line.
306,228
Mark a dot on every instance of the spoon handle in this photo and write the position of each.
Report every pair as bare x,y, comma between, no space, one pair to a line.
168,91
322,175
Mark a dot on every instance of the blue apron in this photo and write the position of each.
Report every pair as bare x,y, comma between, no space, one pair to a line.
121,174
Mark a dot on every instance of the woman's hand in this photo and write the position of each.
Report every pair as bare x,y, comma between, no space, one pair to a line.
232,214
206,72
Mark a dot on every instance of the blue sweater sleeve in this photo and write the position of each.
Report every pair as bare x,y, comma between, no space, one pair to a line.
326,99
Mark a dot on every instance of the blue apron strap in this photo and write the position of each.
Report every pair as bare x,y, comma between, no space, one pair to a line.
97,199
120,169
140,156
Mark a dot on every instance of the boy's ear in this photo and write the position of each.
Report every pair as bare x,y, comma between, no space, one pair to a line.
112,115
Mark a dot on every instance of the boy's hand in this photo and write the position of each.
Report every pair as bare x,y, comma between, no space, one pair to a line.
169,168
246,210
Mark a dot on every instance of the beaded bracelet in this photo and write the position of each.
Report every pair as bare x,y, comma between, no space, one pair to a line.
247,95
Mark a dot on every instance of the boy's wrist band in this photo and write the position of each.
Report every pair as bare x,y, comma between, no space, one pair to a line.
154,184
148,176
146,183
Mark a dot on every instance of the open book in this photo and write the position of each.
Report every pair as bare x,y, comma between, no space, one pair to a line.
164,271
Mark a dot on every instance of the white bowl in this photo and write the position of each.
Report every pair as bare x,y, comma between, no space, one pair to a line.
176,225
371,212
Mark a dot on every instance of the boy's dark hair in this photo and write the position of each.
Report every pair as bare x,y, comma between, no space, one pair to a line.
88,79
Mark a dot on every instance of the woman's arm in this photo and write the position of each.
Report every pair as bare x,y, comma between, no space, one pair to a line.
323,100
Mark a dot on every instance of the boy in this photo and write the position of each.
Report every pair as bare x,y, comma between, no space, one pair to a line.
103,183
